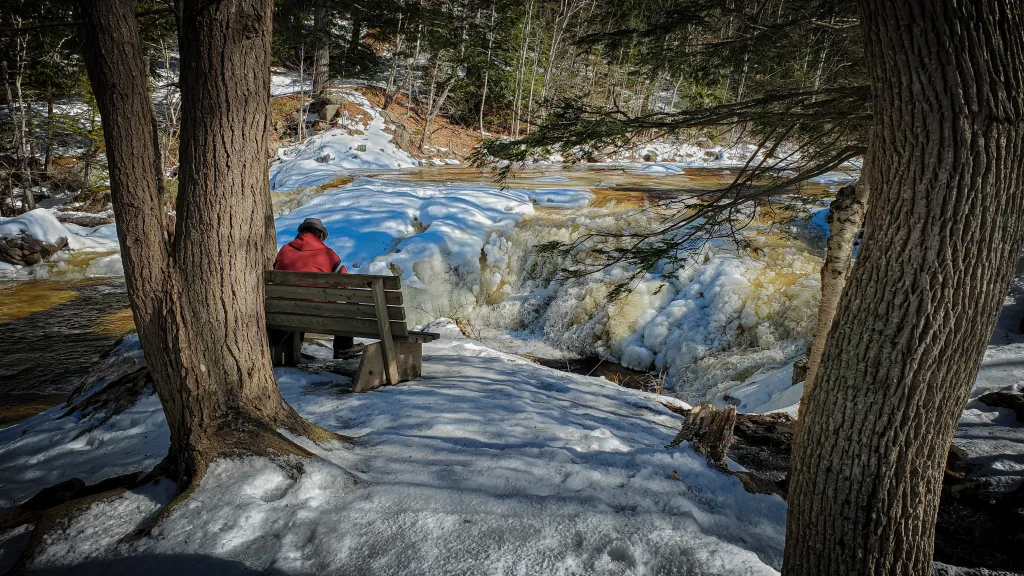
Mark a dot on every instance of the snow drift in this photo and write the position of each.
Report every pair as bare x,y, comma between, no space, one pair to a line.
488,464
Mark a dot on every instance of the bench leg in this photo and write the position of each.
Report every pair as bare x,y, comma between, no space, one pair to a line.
371,365
410,360
371,369
285,347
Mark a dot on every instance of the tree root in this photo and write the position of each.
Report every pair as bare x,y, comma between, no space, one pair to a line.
59,502
239,436
114,398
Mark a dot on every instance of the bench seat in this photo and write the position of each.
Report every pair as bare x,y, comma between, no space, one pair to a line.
356,305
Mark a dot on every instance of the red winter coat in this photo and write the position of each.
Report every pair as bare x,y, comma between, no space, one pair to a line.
307,253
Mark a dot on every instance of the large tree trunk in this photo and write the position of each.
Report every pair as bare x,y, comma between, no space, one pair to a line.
197,299
846,217
944,231
321,51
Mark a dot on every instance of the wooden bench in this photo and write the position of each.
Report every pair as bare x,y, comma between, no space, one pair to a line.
357,305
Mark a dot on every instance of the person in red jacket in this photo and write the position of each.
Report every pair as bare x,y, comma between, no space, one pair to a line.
308,253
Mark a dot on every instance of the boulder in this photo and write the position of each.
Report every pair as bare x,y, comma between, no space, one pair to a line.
333,98
329,112
84,219
25,250
361,148
402,138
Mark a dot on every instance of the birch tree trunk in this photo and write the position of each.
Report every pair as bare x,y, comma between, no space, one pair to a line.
945,228
197,298
487,70
846,215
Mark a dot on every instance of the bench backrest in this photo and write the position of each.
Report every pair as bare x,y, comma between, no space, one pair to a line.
339,304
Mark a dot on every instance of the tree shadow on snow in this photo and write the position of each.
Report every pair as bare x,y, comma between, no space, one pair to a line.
161,565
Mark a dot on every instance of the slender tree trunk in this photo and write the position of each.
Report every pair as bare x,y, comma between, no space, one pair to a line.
197,298
355,36
391,92
846,217
48,154
321,50
533,83
433,110
487,70
28,201
945,228
517,107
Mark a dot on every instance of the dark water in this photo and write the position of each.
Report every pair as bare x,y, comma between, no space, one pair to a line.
46,347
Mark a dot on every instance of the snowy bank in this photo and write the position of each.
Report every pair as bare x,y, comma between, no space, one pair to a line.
91,251
488,464
356,142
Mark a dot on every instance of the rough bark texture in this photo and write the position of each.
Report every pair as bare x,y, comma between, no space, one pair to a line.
944,231
846,216
709,431
321,51
196,297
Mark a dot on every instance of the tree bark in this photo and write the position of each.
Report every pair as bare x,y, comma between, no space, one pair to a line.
487,70
321,51
846,217
944,231
25,156
197,299
48,154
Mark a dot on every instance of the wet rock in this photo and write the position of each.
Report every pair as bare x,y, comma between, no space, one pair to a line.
86,220
1011,400
361,148
25,250
324,159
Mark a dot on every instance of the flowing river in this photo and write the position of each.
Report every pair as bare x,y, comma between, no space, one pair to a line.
53,331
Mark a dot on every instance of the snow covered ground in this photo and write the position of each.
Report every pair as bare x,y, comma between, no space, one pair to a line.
488,464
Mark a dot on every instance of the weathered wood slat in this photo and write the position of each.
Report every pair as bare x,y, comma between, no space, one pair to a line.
424,336
330,309
339,326
371,369
319,279
354,296
384,326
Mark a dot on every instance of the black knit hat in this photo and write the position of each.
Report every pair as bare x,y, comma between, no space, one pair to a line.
313,225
